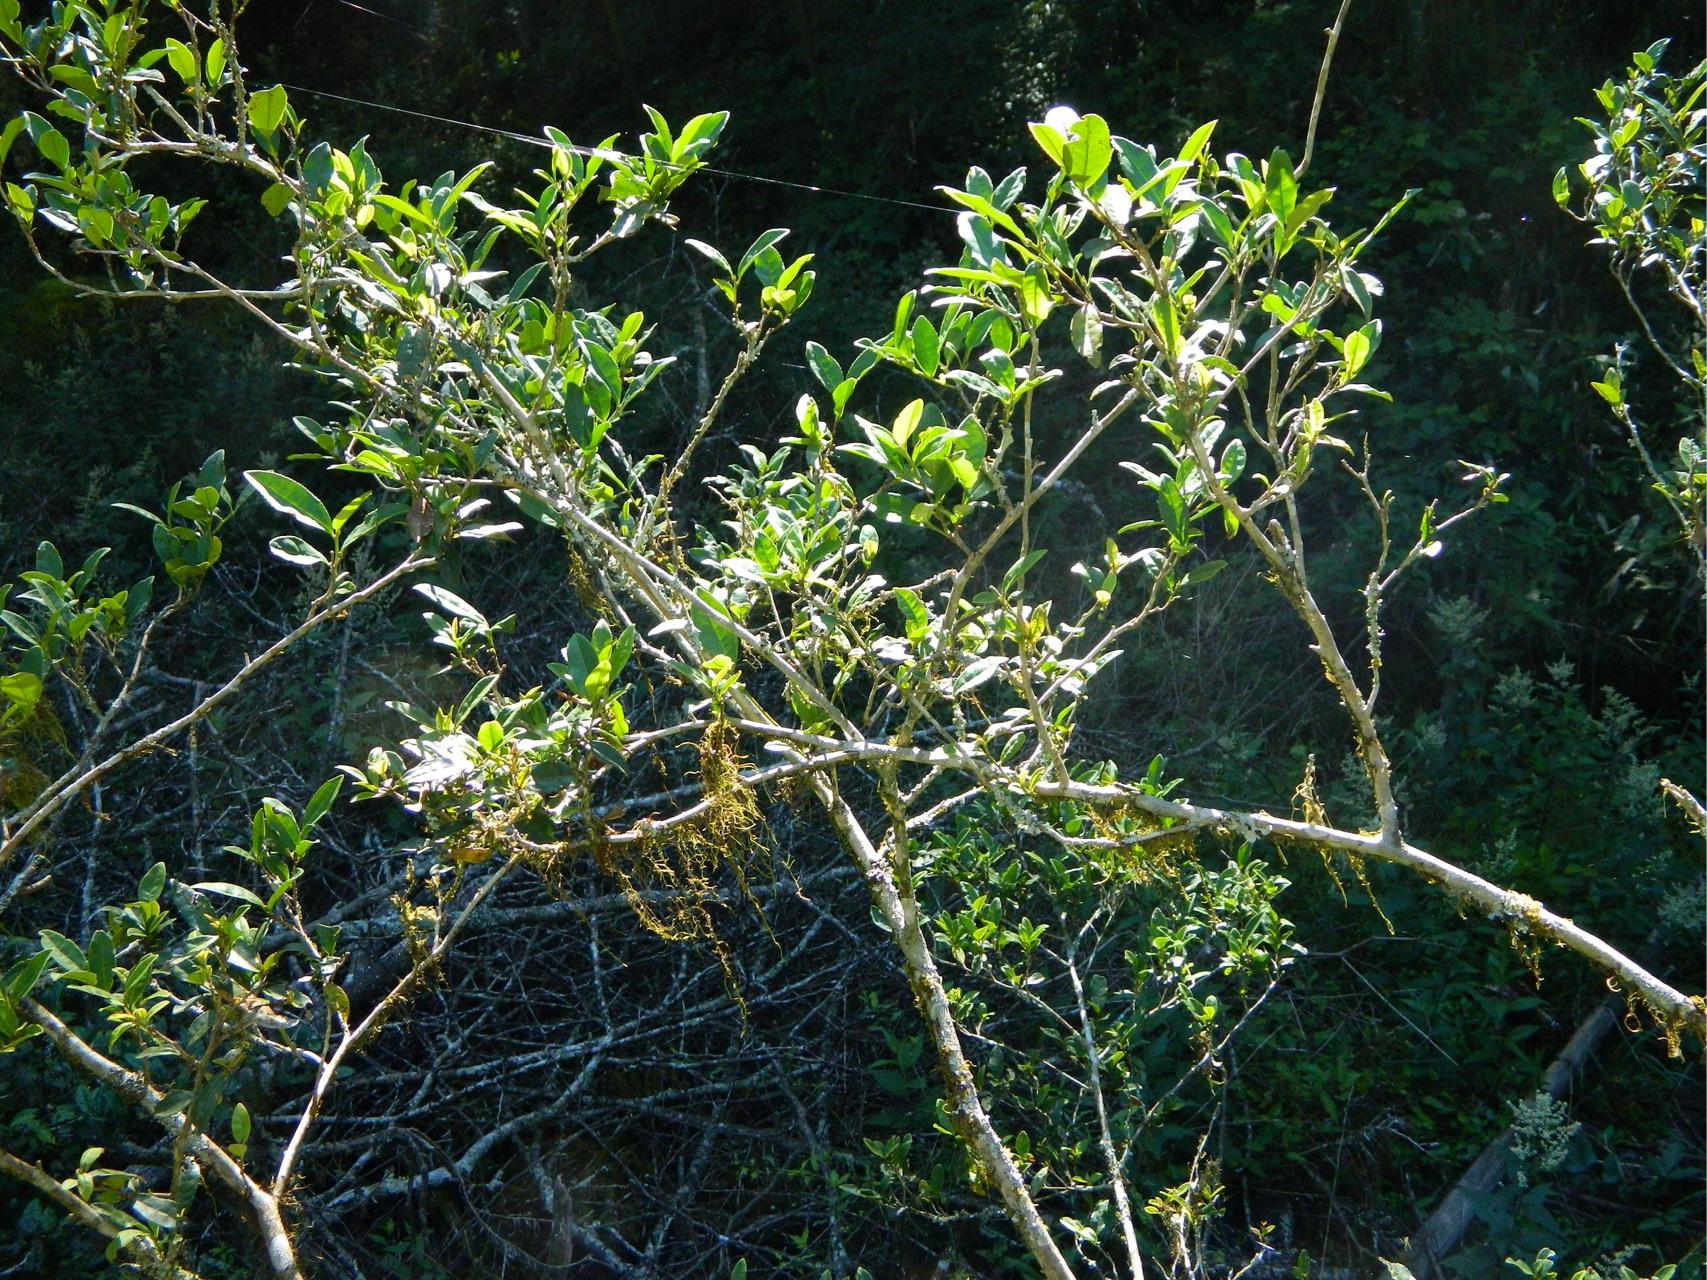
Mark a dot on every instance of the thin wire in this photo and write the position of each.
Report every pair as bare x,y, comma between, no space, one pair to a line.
529,140
383,17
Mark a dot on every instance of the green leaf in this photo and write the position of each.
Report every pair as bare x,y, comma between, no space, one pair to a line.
903,312
1167,324
227,890
54,148
981,206
1358,346
1035,299
1080,1229
290,497
100,955
174,1102
977,672
267,108
22,202
1050,139
1086,332
240,1123
1138,164
136,980
451,603
1194,145
66,953
9,135
481,532
22,689
580,659
717,640
182,59
1281,186
157,1211
711,252
1611,389
215,61
1085,159
766,240
1203,572
824,366
698,136
293,550
975,441
22,977
907,421
153,881
925,346
662,127
322,800
1233,460
1019,568
914,614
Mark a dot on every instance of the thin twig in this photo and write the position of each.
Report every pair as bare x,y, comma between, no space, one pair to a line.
1321,89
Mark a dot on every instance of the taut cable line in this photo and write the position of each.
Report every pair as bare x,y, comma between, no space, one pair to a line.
595,152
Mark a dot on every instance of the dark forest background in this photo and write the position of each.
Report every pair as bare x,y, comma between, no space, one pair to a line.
1544,673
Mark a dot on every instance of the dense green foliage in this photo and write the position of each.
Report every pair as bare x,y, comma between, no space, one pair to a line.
700,1058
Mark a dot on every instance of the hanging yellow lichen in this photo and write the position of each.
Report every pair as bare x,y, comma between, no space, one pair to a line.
1141,845
670,872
